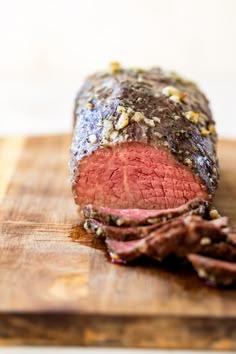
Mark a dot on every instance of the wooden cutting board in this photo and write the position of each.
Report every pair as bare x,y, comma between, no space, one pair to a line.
54,290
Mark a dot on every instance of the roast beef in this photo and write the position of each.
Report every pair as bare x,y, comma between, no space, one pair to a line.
189,234
142,222
134,217
213,270
142,139
144,170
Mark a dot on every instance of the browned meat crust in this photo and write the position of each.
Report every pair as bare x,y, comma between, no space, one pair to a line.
147,106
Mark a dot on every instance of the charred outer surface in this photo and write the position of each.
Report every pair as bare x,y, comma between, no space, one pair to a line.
152,106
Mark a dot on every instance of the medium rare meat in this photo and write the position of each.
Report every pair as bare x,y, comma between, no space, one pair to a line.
142,139
189,234
213,270
149,219
136,217
144,170
194,228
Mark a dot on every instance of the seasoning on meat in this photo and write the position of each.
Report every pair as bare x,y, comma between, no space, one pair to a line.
179,237
144,170
142,139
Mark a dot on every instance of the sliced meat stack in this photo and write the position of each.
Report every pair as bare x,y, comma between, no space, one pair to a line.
194,232
142,139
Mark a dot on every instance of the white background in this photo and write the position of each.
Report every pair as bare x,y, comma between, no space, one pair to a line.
47,47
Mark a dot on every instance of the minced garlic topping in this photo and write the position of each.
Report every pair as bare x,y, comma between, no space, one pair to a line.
92,138
123,121
192,116
204,131
174,94
115,67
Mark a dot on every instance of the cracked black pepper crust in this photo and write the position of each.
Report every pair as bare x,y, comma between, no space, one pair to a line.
150,106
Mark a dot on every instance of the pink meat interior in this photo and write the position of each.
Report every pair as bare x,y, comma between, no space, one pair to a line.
135,175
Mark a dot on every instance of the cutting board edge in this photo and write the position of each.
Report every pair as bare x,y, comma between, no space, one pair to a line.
110,331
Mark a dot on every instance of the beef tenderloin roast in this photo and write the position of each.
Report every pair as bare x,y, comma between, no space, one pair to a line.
142,139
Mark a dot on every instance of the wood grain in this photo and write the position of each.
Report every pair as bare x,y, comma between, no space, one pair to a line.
56,291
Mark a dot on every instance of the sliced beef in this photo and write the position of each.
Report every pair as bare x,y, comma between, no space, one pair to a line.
144,169
118,233
142,139
191,234
215,271
134,217
127,233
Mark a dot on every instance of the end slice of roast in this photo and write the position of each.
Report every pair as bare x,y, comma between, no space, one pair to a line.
137,217
150,220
